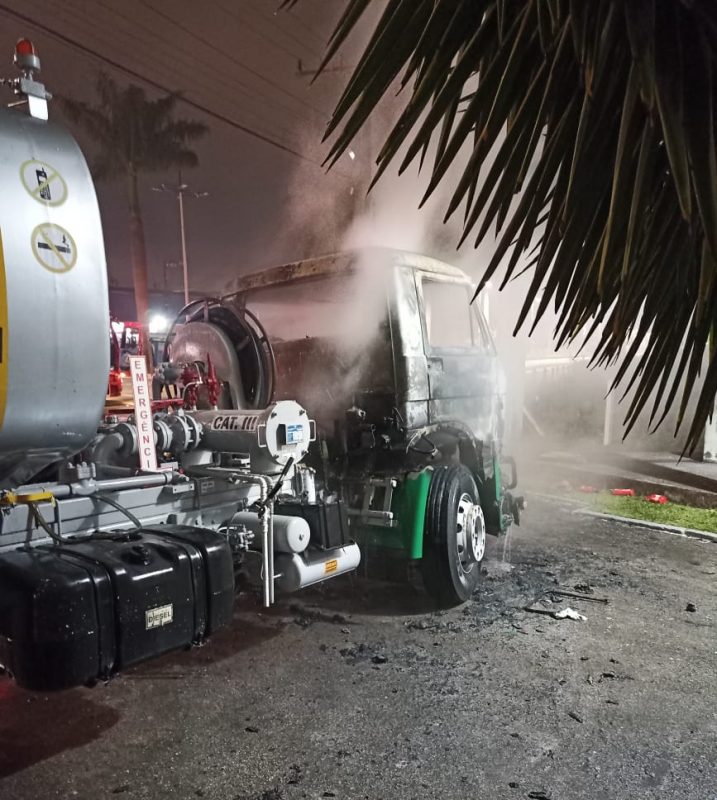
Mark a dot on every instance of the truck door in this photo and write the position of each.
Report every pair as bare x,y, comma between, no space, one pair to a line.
461,358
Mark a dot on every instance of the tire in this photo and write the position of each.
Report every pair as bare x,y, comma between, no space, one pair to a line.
451,569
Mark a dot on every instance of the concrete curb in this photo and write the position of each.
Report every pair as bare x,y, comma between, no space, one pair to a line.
674,530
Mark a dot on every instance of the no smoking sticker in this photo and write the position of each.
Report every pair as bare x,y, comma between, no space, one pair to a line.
54,247
43,183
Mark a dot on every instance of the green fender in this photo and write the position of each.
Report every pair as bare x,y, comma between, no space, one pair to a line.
409,508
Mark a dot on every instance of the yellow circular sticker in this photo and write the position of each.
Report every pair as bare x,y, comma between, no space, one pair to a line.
43,182
54,247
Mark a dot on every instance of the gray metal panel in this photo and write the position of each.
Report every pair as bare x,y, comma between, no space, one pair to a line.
205,502
58,321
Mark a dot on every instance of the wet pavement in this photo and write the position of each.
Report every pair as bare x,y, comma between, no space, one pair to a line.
362,690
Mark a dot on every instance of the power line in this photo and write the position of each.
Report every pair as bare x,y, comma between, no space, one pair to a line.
157,67
296,19
213,48
155,84
153,41
243,21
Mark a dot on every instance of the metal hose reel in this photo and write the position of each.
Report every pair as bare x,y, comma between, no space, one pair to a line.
236,343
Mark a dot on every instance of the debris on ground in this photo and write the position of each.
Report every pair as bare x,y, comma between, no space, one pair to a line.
579,596
575,716
564,613
656,498
296,774
570,613
623,492
423,625
583,588
307,616
364,653
690,607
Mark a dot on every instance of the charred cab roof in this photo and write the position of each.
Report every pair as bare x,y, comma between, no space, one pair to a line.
338,263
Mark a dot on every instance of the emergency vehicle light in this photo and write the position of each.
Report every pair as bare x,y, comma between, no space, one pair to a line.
24,47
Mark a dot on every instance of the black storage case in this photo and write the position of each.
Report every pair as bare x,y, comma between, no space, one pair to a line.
328,522
81,611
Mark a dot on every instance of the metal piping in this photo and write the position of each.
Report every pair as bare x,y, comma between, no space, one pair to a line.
267,518
90,487
105,446
267,531
270,511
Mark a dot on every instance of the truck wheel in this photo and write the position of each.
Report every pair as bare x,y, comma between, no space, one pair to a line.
454,536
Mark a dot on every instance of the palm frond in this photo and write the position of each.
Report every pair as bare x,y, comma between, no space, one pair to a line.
599,119
133,132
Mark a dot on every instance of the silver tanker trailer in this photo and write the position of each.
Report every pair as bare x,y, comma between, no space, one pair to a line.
103,564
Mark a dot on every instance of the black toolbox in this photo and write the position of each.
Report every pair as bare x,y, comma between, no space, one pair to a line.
74,613
328,522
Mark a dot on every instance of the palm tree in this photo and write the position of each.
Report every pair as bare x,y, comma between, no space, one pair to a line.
599,118
133,135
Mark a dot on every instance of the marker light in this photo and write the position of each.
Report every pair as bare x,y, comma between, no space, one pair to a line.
26,58
24,47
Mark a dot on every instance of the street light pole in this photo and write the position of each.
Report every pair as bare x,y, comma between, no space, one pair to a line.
180,190
185,271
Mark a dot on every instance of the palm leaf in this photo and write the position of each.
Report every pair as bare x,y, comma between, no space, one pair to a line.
618,128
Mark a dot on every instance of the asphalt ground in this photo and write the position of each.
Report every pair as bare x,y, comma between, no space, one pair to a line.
362,690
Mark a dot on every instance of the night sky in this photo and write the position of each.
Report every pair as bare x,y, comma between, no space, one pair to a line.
240,59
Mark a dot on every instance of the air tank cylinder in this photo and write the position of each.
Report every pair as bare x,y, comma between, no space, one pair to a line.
291,534
54,315
298,570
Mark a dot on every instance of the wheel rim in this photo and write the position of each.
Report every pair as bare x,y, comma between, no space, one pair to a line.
470,532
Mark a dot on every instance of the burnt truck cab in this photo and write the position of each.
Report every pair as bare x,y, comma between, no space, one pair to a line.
401,373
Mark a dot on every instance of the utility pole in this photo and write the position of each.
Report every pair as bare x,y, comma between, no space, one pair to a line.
180,190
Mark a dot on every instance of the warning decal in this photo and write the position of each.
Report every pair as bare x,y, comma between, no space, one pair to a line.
3,336
43,183
143,413
54,247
